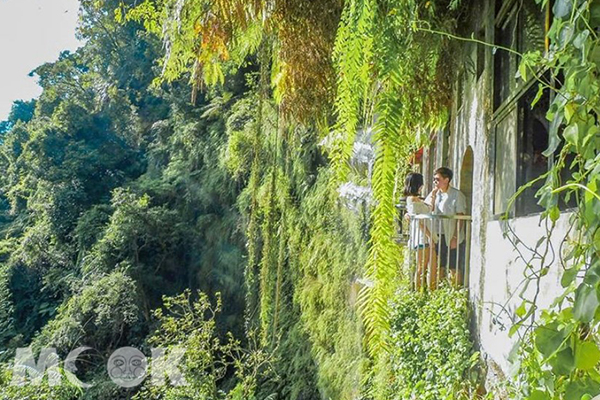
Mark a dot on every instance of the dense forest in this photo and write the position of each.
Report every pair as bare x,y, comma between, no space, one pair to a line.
124,193
118,191
187,179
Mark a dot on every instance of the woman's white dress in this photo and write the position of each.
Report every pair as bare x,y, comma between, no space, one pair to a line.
417,231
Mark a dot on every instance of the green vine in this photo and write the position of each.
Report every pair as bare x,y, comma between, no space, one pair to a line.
559,355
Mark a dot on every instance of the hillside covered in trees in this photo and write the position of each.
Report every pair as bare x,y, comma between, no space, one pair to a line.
118,190
188,179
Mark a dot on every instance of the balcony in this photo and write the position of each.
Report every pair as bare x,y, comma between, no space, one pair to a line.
438,248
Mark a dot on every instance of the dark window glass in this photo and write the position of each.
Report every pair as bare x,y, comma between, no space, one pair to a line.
504,62
520,25
533,142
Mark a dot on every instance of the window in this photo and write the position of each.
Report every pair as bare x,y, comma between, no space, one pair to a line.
519,25
532,142
520,139
521,132
521,136
505,63
533,27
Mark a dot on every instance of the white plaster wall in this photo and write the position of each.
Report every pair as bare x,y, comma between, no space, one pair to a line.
504,284
496,274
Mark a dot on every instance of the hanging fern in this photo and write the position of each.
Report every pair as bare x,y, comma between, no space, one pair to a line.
203,39
389,76
353,54
383,262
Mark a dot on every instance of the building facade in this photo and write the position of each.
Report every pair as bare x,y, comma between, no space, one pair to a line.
494,143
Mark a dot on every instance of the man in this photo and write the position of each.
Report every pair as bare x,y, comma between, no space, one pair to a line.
447,200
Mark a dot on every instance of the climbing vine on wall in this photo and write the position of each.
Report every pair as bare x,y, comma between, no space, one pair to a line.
559,352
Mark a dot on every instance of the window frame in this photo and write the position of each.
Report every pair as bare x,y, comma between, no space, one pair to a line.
503,15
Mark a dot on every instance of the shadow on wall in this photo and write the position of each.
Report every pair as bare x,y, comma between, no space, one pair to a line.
466,178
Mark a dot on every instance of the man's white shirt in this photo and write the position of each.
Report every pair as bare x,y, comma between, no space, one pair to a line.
452,202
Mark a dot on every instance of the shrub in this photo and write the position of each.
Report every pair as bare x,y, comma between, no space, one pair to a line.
431,353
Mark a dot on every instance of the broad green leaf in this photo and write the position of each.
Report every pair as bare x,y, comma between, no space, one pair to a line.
538,95
571,134
594,55
564,362
523,70
575,390
587,355
570,110
553,138
592,275
591,204
592,133
565,35
554,214
595,14
581,39
538,395
513,329
521,310
548,339
586,303
561,9
568,276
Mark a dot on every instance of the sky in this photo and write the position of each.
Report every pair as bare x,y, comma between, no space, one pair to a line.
32,32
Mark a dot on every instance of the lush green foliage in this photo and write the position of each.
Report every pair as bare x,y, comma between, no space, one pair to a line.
306,249
190,326
206,39
118,192
390,78
431,354
43,391
385,68
111,198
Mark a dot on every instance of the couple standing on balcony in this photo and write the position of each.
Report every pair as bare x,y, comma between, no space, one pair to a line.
444,235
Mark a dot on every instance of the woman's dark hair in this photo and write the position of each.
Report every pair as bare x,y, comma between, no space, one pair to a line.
413,182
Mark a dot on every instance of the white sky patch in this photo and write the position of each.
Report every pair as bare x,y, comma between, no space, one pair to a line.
32,32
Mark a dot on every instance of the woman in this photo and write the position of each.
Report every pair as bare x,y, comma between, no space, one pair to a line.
420,235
